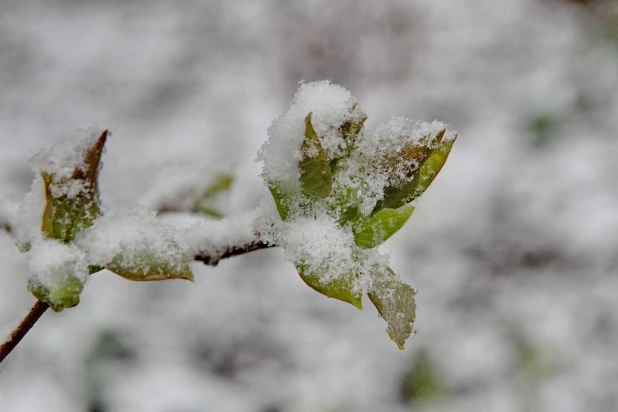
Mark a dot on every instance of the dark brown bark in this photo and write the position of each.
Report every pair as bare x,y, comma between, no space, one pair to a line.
213,260
18,334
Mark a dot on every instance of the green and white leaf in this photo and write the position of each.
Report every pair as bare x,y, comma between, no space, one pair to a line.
395,303
343,288
395,197
432,166
65,295
59,273
146,267
381,225
71,199
281,200
135,245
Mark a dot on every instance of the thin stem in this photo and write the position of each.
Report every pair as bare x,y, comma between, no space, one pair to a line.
40,307
31,318
213,260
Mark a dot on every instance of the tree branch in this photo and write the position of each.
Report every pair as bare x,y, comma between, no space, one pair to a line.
40,307
213,259
31,318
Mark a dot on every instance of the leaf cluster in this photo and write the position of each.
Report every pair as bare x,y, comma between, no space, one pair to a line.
336,187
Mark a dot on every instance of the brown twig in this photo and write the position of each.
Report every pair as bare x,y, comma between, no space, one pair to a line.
213,260
31,318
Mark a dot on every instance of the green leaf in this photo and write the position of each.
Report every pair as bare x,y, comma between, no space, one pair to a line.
70,288
432,166
65,215
143,266
64,295
395,197
349,214
395,303
207,202
315,174
382,225
340,288
280,199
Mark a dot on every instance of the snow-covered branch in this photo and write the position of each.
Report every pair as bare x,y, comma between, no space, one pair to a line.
338,192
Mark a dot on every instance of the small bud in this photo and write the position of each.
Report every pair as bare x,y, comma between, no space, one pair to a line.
64,297
70,174
58,273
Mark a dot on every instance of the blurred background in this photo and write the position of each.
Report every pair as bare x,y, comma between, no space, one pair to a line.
513,249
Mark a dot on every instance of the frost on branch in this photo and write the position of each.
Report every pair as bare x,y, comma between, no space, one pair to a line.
339,192
211,240
62,228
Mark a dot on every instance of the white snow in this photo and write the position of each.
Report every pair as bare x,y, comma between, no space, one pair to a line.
130,233
52,262
330,106
59,162
64,158
213,237
30,215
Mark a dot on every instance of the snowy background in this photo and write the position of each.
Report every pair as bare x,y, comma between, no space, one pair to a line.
513,248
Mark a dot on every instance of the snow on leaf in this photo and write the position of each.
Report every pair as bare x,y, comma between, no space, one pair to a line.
279,196
335,117
324,254
395,303
382,225
341,192
315,173
70,173
342,288
145,266
58,273
135,245
431,164
65,297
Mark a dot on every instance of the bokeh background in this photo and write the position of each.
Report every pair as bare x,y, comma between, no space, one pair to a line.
513,249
